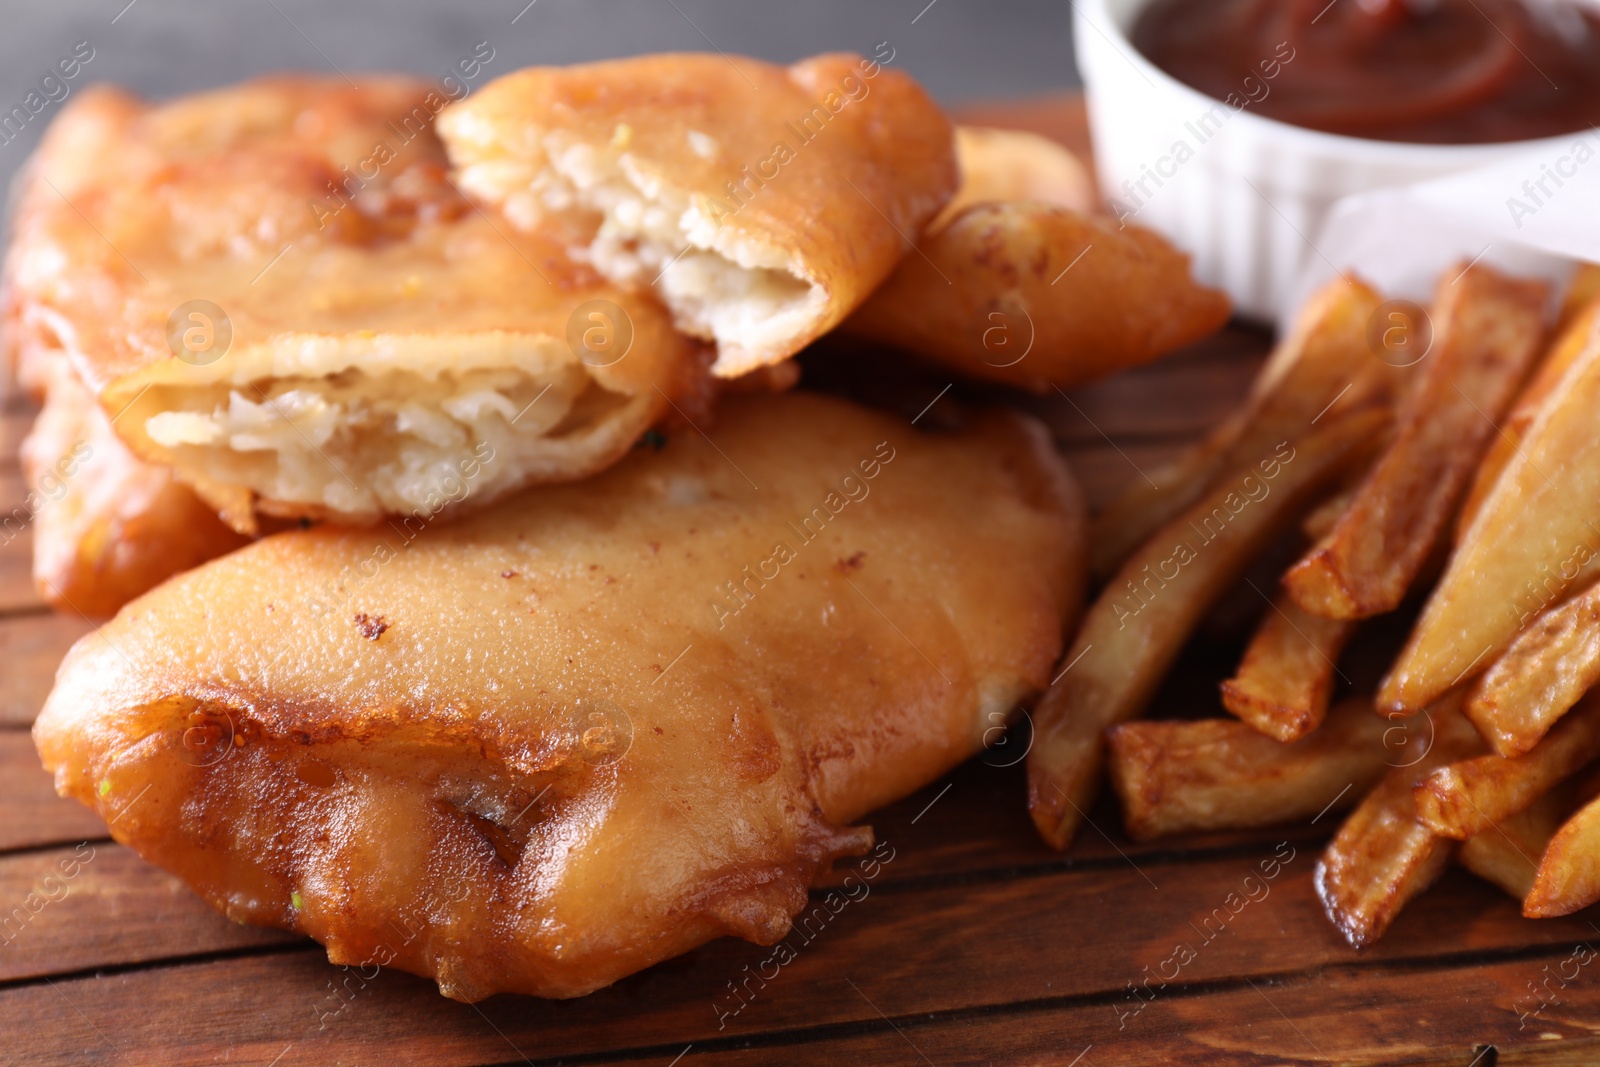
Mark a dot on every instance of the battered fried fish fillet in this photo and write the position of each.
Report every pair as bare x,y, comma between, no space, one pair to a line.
762,203
550,744
1037,295
289,304
1010,165
108,525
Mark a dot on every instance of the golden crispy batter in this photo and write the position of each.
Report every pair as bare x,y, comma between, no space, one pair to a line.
1037,295
366,333
1001,164
108,525
550,744
762,203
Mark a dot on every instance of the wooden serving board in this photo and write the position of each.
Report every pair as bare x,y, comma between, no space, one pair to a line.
974,944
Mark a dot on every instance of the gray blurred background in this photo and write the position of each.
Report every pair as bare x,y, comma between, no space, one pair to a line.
962,50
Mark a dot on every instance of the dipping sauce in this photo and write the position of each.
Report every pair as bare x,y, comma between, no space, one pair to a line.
1431,71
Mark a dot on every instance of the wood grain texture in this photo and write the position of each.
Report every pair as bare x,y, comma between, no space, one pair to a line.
31,815
16,416
962,950
16,538
31,646
16,575
1425,1015
98,905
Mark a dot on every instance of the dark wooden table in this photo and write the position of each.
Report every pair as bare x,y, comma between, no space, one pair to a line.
975,944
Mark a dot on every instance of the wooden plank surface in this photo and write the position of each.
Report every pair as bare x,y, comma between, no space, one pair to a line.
31,815
31,644
974,945
964,951
97,905
16,537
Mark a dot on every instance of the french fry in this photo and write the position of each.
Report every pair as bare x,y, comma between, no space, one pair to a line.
1469,797
1137,626
1382,856
1219,774
1579,323
1535,537
1320,519
1324,364
1535,681
1489,329
1285,680
1582,291
1507,853
1569,871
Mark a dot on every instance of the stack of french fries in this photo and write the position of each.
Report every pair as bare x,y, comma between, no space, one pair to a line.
1453,448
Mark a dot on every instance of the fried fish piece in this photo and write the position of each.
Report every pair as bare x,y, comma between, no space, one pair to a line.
998,164
109,525
547,745
283,297
762,203
1037,295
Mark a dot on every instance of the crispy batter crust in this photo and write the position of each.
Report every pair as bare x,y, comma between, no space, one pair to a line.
319,218
107,525
548,745
1038,295
813,176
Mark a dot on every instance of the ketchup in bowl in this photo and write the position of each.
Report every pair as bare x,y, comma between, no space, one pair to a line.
1429,71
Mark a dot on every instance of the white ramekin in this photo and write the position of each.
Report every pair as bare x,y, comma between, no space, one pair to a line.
1248,200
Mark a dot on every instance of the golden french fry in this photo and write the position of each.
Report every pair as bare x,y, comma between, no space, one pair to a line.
1489,330
1535,537
1141,620
1001,164
1382,856
1569,871
1578,324
1507,853
1320,519
1535,681
1323,367
1582,291
1219,774
1469,797
1285,679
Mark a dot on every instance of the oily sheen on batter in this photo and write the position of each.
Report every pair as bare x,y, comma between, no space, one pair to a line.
275,290
545,746
761,203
